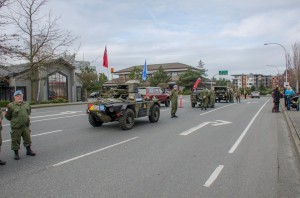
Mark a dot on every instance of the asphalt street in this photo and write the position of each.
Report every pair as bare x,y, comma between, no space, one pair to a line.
232,150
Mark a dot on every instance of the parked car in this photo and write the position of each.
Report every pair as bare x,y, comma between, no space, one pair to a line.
94,94
157,92
255,94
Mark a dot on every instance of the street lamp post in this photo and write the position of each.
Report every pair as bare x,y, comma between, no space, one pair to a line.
212,80
286,70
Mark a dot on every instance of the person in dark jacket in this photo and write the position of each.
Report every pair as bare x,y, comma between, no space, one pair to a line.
276,99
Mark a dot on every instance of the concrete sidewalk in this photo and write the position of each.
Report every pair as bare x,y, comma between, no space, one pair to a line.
293,120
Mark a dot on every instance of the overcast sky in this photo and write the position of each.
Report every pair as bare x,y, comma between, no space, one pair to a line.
224,34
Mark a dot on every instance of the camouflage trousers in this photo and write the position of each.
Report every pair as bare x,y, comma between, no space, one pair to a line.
173,107
204,103
16,135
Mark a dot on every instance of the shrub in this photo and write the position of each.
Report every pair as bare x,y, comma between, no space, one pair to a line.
59,100
45,102
33,103
4,103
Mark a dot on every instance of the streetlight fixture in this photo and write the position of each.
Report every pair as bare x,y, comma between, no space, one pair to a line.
286,70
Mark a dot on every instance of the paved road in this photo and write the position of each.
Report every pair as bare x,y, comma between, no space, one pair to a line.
233,150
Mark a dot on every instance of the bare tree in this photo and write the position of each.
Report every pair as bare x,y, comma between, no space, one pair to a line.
6,46
40,39
294,62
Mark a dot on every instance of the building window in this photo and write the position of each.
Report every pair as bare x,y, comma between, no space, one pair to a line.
174,73
57,86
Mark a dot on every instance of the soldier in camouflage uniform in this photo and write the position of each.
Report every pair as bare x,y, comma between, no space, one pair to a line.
212,99
1,117
18,113
204,97
174,101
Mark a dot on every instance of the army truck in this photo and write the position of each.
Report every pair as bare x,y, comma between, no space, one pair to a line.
222,93
124,106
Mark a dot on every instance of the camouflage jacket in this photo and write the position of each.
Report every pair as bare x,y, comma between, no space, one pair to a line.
18,114
174,95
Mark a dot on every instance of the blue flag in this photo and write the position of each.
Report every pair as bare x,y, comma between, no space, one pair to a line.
144,73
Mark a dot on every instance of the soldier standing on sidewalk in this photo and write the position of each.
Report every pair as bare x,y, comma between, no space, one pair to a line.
18,113
1,117
174,101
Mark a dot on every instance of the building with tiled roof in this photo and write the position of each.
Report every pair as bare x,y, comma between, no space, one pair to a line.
173,69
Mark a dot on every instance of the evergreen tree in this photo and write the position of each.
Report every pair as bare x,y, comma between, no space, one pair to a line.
135,74
188,78
159,77
88,78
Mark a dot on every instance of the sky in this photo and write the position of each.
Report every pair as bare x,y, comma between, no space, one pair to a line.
223,34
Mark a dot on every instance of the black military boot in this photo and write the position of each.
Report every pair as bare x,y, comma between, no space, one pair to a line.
29,151
17,157
2,162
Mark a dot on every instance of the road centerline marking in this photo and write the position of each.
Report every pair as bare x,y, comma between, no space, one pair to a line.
236,144
214,176
93,152
50,119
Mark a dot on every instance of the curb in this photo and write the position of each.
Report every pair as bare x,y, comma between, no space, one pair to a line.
293,131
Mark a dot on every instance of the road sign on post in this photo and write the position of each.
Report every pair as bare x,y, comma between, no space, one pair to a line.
223,72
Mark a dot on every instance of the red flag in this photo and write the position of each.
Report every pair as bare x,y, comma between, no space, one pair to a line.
105,60
196,83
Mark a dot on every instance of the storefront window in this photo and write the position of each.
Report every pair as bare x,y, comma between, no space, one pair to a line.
57,86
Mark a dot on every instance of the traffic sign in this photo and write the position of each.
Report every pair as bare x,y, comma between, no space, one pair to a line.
223,72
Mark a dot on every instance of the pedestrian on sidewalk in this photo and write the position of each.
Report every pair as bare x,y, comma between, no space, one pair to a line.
276,99
1,118
238,95
18,113
288,93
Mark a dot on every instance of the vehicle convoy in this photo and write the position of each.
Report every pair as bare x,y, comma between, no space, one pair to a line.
222,93
157,92
124,106
196,97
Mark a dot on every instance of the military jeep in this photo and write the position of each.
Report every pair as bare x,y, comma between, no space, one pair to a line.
124,105
196,97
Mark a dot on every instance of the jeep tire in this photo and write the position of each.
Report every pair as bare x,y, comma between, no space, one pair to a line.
167,103
154,114
94,121
127,119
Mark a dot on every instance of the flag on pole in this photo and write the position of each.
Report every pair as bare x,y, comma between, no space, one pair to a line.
105,60
144,73
196,83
